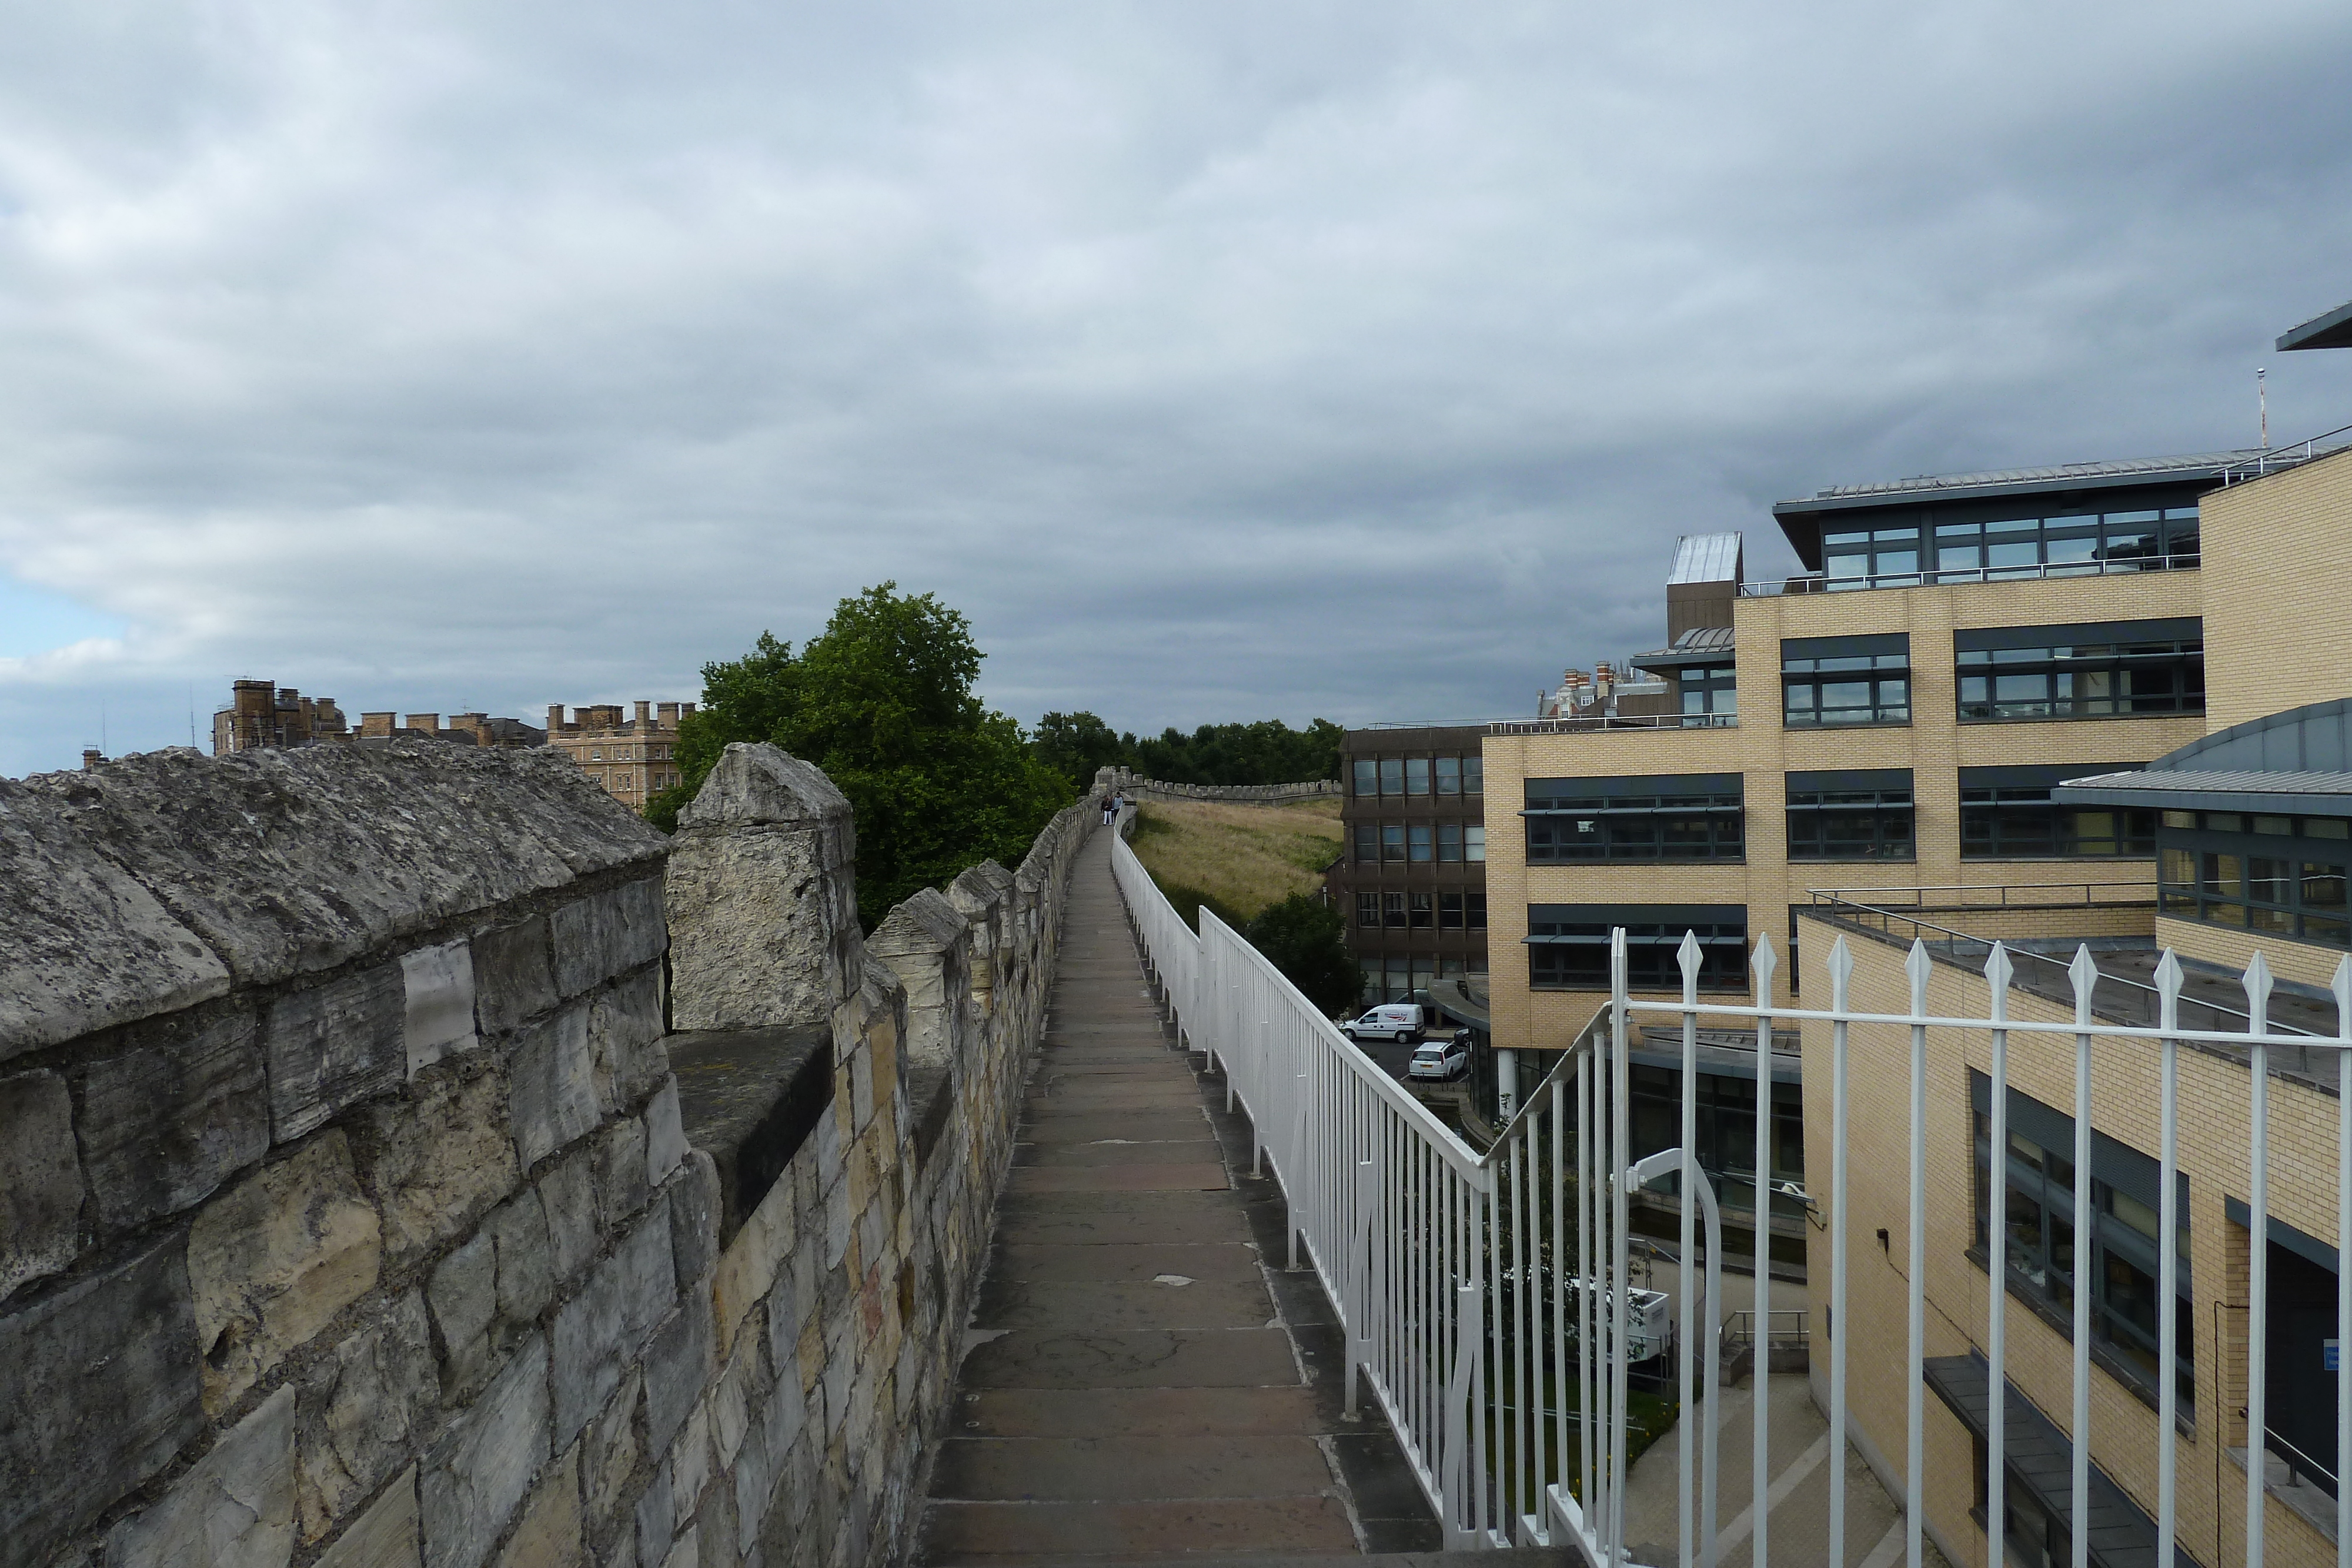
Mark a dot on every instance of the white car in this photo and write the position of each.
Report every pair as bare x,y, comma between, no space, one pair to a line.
1441,1058
1399,1021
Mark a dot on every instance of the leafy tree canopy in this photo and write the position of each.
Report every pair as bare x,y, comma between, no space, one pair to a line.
1267,752
882,700
1306,939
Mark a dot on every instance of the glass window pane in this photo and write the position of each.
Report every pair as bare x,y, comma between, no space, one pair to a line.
1474,776
1392,842
1449,776
1473,842
1368,841
1391,776
2323,885
1419,840
1416,776
1449,841
1368,909
1368,776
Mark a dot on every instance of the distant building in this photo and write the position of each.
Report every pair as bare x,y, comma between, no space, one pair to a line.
1411,876
632,758
260,715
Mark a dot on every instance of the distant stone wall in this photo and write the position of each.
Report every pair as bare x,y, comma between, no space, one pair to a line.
1138,789
350,1211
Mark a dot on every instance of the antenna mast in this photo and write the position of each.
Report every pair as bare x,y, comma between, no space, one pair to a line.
2262,400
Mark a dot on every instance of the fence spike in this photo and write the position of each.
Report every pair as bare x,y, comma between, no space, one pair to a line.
1689,958
2084,972
2169,978
1997,970
1764,961
1918,967
1840,964
2258,995
2342,987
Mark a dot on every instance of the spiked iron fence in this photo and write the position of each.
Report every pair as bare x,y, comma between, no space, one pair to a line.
1488,1299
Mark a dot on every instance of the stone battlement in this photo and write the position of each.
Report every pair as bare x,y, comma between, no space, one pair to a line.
408,1156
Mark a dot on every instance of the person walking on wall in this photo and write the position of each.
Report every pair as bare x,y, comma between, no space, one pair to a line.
1110,809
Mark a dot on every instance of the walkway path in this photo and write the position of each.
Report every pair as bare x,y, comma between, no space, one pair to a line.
1140,1383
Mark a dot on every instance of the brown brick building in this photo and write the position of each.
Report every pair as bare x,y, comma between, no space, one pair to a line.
1412,875
631,757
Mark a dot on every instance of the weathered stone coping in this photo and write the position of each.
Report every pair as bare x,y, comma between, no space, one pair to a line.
750,1098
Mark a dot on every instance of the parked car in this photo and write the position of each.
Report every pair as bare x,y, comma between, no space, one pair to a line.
1442,1058
1391,1021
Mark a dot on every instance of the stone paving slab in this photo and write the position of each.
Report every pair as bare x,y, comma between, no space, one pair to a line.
1158,1125
1117,1152
1126,1260
1010,1534
1112,1412
1123,1179
1097,1304
1113,1094
1149,1358
1033,1222
1129,1467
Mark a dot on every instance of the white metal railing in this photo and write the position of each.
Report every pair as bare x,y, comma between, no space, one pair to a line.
1580,723
1477,1292
1817,583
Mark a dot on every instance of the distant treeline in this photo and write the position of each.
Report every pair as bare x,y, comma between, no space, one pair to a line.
1267,752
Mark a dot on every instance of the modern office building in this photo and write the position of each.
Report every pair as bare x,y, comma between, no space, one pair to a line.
1411,878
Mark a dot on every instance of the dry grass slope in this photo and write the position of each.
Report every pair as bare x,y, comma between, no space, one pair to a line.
1236,859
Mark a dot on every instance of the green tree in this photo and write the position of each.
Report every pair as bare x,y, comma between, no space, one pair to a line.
882,701
1075,744
1306,939
1267,752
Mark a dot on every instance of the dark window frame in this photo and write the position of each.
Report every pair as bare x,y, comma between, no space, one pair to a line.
1568,945
1855,814
1649,818
1709,696
2006,815
2065,673
1368,911
2305,900
1845,683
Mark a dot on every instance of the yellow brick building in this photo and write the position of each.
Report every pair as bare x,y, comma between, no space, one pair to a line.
631,757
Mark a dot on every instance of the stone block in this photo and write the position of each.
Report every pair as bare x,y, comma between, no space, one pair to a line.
754,1477
618,1160
687,1553
624,1030
607,934
608,1458
232,1508
331,1046
657,1518
526,1265
478,1472
99,1383
83,947
736,1396
554,1086
690,1463
761,896
437,1004
694,1218
678,1368
274,1258
514,976
599,1330
665,1136
464,1297
438,1163
548,1536
382,1537
567,1195
40,1179
364,1409
167,1121
749,1265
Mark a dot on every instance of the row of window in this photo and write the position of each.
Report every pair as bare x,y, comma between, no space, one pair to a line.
1413,844
1568,944
2006,813
1422,911
630,753
2113,669
1407,776
1395,978
1965,549
2275,875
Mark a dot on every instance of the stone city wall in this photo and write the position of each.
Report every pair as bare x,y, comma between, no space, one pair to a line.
351,1212
1125,780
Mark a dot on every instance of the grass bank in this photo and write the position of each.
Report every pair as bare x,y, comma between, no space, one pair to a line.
1234,859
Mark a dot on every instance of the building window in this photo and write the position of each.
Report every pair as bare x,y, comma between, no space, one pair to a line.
1367,844
1368,909
1727,1129
1373,992
1568,944
1416,776
1392,910
1473,905
1473,842
1956,548
1710,696
1423,907
1474,776
1854,814
1449,912
1662,817
1449,843
1872,558
1391,776
1417,842
1837,681
1392,842
2108,669
595,754
2281,876
2006,813
2038,1235
1368,776
1449,776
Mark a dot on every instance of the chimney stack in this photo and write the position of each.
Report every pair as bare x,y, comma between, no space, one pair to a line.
555,717
90,757
668,713
644,715
430,723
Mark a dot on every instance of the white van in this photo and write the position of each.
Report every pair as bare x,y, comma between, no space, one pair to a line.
1393,1020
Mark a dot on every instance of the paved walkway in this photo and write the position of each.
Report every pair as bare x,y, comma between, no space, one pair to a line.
1138,1382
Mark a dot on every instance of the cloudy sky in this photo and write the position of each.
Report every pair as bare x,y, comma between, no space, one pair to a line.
1218,360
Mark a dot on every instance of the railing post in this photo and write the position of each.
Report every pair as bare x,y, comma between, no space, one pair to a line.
1356,1317
2257,982
1763,963
1997,971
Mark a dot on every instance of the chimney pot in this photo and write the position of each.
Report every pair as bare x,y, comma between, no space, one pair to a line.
90,757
